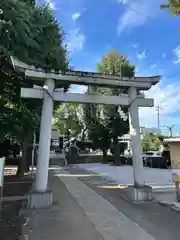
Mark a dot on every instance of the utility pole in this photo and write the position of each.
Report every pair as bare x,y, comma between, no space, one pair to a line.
170,128
158,109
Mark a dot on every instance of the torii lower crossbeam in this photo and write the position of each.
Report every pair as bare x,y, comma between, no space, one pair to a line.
86,98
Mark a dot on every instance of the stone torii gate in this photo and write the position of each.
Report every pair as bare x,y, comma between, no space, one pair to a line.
41,197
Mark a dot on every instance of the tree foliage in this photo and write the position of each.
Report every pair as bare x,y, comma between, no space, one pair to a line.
151,142
67,117
30,33
113,126
116,64
99,134
173,6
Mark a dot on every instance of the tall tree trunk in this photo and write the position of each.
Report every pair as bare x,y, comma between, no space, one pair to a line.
22,161
104,157
116,151
84,134
23,165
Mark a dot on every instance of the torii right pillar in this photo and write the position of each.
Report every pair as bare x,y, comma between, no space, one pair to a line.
139,191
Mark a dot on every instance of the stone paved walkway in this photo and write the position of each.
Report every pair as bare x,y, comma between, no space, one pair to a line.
65,220
86,210
159,221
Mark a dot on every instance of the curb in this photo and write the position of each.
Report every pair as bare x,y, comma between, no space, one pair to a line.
170,205
176,209
14,198
165,204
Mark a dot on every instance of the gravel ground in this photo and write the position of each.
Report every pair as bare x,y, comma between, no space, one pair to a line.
10,221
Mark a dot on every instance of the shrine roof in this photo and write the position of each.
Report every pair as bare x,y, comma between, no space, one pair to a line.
85,78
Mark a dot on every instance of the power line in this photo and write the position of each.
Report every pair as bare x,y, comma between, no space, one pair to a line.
125,5
134,10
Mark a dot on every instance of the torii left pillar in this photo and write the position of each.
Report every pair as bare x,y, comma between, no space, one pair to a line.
41,196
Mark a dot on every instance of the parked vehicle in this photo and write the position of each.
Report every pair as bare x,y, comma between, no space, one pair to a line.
152,153
55,145
83,146
154,159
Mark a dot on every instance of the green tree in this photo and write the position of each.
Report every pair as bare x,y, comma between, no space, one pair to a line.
100,136
173,6
67,116
31,33
115,64
151,142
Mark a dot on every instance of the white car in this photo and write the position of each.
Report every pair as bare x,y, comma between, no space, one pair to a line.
151,154
128,153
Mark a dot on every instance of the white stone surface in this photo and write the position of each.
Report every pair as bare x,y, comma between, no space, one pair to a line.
110,223
144,83
134,128
45,138
123,175
100,99
167,198
177,206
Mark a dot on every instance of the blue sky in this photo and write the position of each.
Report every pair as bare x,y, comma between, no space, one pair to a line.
139,29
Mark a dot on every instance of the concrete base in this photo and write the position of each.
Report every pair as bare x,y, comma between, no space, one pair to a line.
140,194
38,200
176,206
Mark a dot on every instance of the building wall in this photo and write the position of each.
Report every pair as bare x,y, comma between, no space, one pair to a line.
175,154
175,159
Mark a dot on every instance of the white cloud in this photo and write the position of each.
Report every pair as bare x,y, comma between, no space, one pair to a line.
137,13
134,46
168,97
78,89
68,12
76,16
164,55
123,1
144,68
153,66
51,4
75,40
142,55
165,95
176,52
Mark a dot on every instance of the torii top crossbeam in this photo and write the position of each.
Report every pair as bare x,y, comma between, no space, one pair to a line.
86,78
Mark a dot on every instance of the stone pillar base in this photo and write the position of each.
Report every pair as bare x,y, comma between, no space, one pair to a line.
38,200
176,206
139,194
